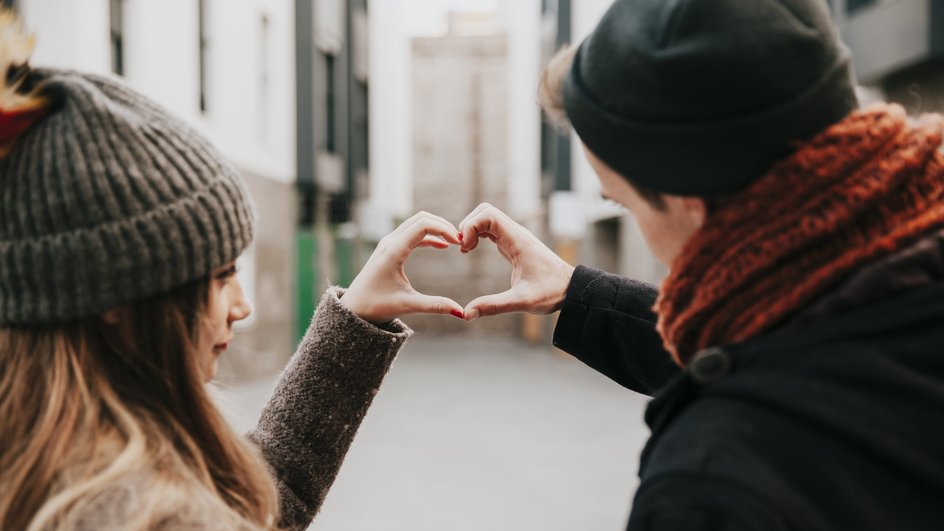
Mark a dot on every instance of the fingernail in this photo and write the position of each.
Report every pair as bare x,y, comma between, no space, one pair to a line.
460,236
457,313
472,315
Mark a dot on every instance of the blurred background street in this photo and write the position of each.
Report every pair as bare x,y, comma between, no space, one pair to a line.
487,434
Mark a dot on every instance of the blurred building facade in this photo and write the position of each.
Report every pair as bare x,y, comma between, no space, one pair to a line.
546,184
897,49
422,110
460,159
332,149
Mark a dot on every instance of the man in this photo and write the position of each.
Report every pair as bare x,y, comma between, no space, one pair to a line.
796,349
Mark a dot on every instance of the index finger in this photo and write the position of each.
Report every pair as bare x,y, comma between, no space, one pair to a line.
417,233
475,212
490,222
406,225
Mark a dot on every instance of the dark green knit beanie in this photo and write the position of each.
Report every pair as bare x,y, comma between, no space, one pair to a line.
107,199
700,97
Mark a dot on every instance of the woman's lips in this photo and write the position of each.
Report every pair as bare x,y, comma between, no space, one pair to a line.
223,345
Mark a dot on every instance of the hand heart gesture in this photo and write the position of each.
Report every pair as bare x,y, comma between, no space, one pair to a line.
382,292
539,278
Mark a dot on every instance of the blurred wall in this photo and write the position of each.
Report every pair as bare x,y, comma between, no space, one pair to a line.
897,48
265,344
460,159
521,21
70,33
390,150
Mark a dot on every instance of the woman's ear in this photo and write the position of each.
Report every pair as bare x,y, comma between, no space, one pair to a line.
697,210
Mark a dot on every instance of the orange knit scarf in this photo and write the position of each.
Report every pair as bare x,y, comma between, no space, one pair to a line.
862,189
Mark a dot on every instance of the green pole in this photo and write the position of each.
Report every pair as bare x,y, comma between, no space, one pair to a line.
306,246
344,261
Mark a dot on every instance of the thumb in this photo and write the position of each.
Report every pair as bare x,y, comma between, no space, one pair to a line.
504,302
420,303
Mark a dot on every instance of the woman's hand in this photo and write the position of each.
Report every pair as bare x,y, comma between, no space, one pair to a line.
381,292
539,278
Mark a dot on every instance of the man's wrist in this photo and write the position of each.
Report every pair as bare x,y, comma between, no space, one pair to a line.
563,286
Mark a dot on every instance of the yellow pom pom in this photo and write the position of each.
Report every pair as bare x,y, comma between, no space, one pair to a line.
20,105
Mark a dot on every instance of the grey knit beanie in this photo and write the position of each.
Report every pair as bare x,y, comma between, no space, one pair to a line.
701,97
107,199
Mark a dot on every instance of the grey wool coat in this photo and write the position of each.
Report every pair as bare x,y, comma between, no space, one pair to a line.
320,400
306,427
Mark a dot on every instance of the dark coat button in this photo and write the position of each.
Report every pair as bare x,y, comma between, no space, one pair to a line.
709,365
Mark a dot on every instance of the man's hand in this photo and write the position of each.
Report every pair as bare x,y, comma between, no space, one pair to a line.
382,292
539,278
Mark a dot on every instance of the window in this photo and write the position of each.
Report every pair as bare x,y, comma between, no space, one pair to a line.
555,146
117,29
265,74
202,38
329,25
331,119
360,67
855,5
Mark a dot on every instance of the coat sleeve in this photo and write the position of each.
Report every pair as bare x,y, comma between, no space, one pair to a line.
607,322
696,502
320,400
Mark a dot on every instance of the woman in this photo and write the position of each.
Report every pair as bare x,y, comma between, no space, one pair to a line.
119,230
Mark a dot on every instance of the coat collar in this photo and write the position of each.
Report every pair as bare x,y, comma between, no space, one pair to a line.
788,348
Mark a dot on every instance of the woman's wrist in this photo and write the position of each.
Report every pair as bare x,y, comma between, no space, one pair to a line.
351,302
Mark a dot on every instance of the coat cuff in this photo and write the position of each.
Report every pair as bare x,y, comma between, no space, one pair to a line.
331,303
574,309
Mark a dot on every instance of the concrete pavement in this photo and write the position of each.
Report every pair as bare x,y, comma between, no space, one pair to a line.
483,435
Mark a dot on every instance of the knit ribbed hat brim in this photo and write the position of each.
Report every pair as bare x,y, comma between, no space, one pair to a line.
109,200
700,97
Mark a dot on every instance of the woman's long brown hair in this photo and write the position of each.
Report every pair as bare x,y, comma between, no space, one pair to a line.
90,408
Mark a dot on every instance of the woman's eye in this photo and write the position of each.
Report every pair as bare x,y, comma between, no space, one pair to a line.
228,272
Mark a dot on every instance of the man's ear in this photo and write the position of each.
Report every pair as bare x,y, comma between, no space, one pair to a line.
697,210
112,317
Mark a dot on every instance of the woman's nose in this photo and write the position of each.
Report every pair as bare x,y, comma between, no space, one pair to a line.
241,307
241,310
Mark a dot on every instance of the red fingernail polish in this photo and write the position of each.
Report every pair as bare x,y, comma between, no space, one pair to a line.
460,236
457,313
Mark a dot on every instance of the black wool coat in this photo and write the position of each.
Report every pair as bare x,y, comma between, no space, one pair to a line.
837,424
